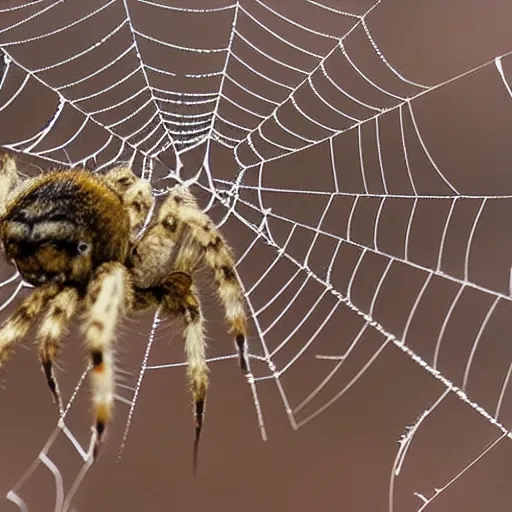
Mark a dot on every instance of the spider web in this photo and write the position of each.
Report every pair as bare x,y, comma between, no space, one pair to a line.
366,189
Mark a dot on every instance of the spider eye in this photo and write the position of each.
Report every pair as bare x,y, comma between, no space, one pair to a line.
83,248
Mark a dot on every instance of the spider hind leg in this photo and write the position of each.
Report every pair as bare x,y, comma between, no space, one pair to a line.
182,298
195,348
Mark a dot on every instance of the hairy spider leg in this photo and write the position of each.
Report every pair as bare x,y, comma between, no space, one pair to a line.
17,326
8,178
52,329
181,298
218,256
178,296
109,296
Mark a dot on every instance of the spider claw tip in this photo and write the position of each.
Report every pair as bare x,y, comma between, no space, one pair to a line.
196,452
100,429
240,343
96,450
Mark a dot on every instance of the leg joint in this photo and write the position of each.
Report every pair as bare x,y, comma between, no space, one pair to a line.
97,358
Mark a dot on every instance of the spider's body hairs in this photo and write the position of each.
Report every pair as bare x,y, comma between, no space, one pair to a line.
73,235
135,193
44,225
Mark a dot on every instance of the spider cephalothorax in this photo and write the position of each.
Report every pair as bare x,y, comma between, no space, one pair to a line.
63,226
73,235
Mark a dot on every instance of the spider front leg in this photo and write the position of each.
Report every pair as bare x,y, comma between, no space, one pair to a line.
109,295
50,333
60,308
16,327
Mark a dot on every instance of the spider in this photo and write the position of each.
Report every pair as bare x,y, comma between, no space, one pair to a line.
73,235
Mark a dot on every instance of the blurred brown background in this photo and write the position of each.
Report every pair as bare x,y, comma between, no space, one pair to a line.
425,253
